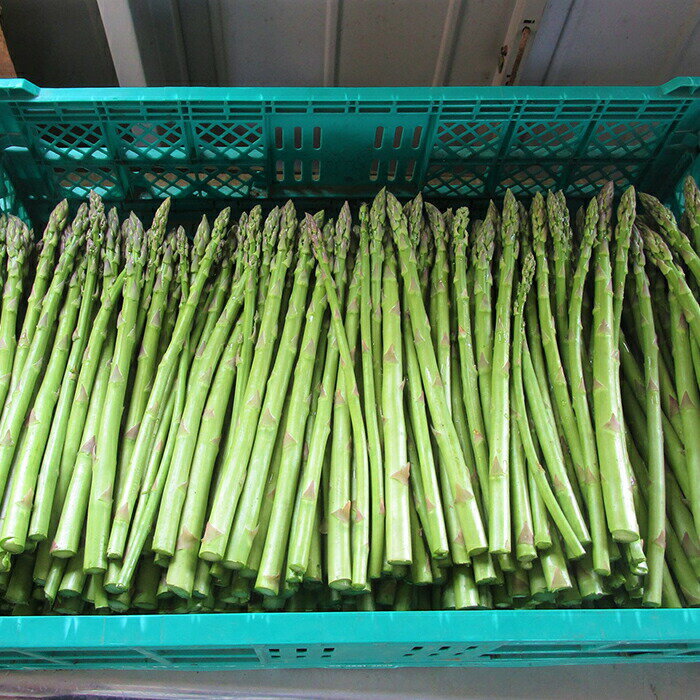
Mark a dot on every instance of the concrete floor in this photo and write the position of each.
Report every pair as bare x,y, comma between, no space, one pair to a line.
634,681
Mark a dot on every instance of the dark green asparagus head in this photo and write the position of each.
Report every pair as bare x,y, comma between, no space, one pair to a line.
393,209
558,222
658,250
341,244
72,240
449,216
413,211
219,229
605,207
493,214
691,194
199,245
511,223
183,260
460,234
111,251
637,250
377,227
142,258
328,237
254,223
160,222
304,242
82,220
363,217
155,236
378,214
538,220
437,225
580,220
524,217
17,247
206,260
527,273
625,217
165,272
491,225
3,234
483,237
132,247
56,223
663,216
318,245
270,232
98,224
78,277
566,218
590,226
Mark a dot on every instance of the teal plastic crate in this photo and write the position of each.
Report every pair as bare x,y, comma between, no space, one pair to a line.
346,640
207,146
203,146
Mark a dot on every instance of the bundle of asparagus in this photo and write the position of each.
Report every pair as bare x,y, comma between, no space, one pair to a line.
404,410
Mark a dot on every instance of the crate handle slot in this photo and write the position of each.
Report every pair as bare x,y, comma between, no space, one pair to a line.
681,87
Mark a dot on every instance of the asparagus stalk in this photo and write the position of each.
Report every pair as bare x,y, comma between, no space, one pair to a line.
42,278
27,461
557,220
370,392
396,464
74,507
465,339
145,364
623,235
339,507
692,209
166,367
154,239
577,352
21,395
655,536
662,258
308,373
499,462
17,244
424,466
269,240
612,454
245,526
151,491
232,478
106,451
165,538
667,223
253,254
309,482
483,309
255,557
361,509
377,229
460,483
181,571
687,390
566,516
522,525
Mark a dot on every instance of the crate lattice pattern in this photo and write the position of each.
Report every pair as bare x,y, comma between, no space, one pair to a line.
194,150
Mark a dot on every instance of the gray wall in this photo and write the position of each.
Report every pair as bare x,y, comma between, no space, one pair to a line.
350,42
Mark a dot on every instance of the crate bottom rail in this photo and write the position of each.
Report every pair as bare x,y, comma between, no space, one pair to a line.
347,640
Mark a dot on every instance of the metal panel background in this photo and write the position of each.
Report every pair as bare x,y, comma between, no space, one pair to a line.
351,42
